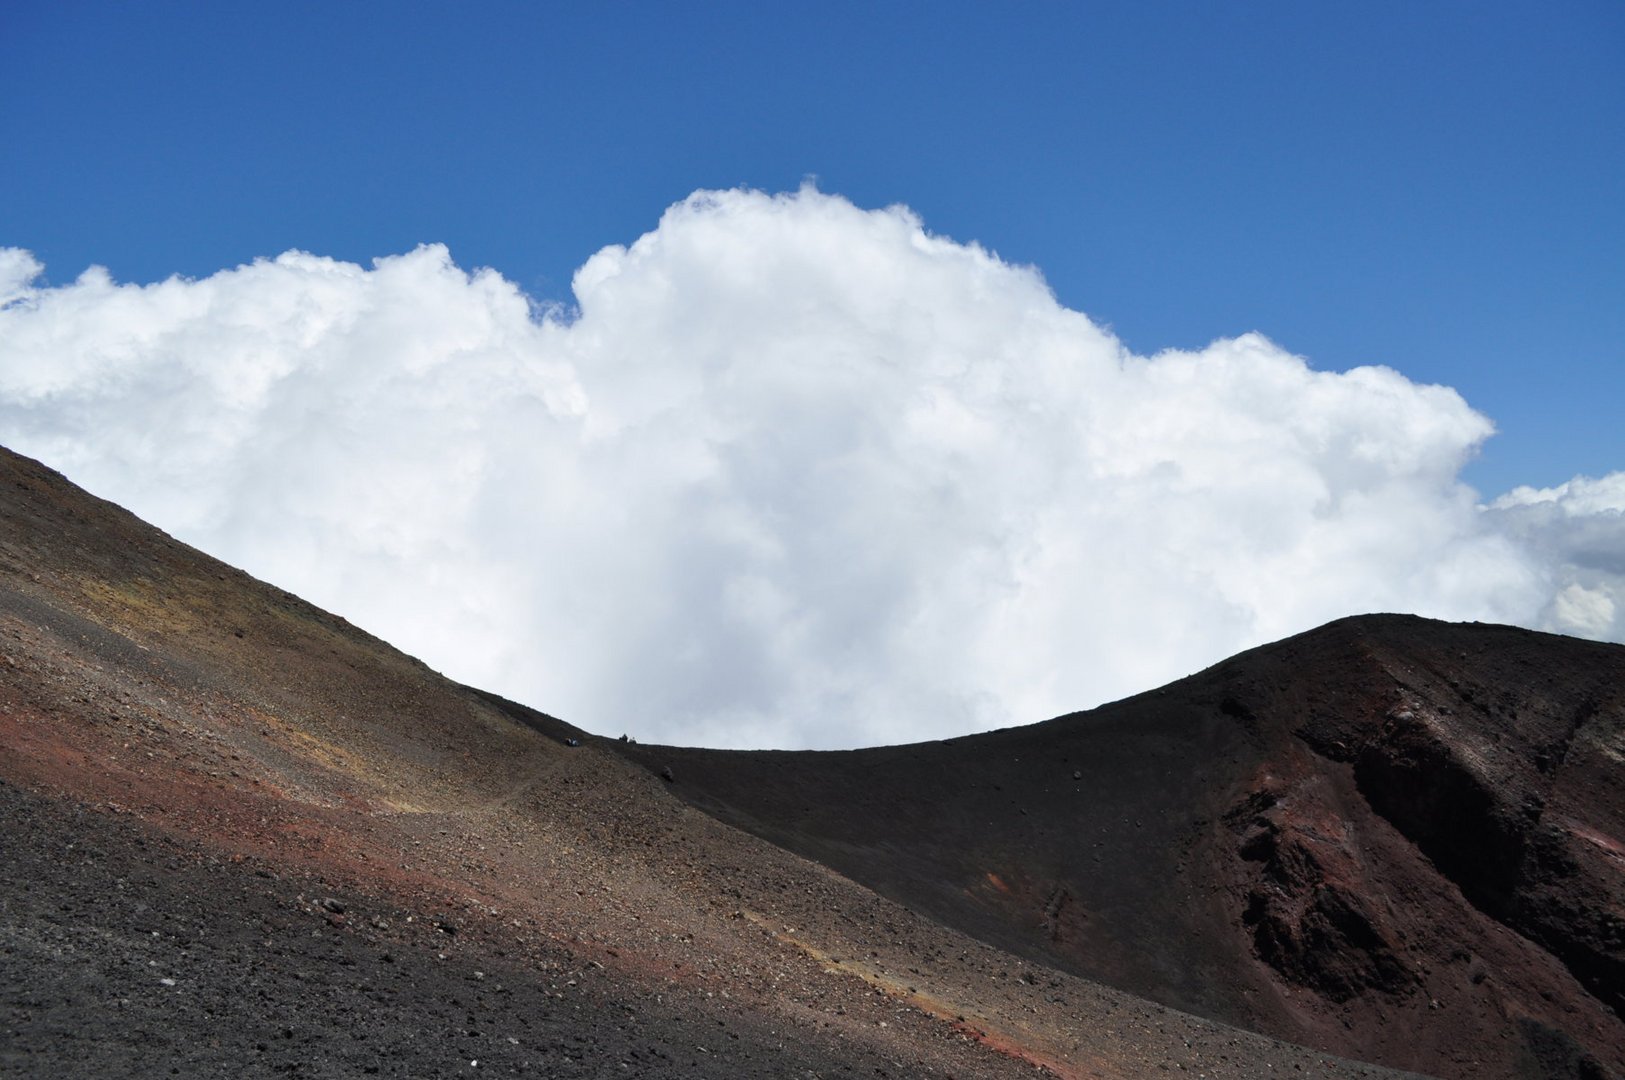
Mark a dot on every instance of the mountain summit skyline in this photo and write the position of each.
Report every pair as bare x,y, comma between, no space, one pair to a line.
822,477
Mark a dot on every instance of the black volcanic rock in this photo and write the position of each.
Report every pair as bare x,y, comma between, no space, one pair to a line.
120,961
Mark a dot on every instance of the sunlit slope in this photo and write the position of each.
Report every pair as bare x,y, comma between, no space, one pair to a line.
248,837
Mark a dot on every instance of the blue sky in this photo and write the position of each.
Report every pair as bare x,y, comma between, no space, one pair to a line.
1432,186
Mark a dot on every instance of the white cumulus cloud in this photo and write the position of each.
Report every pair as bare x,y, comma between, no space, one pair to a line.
1576,534
789,473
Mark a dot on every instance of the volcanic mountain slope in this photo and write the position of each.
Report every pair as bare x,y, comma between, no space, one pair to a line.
246,839
1390,837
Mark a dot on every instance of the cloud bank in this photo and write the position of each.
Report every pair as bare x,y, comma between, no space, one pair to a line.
790,473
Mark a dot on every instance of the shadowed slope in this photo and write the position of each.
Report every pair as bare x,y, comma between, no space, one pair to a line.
1389,837
248,839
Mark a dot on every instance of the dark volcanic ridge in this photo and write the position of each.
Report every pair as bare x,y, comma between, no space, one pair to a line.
250,839
1390,837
